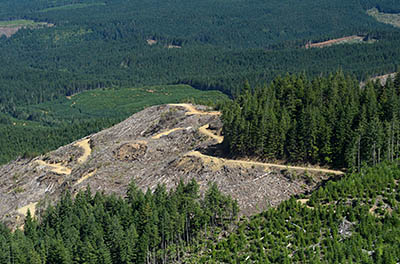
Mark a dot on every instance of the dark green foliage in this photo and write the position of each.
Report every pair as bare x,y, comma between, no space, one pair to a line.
31,140
37,129
103,44
341,231
326,120
142,228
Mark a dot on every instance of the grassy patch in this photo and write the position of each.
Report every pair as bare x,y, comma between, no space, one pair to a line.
71,6
120,103
392,19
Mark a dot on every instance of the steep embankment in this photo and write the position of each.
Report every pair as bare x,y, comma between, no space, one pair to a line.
159,145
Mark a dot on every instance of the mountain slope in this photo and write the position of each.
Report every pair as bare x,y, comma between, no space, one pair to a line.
159,145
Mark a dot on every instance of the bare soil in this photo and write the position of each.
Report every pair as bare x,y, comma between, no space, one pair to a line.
160,145
8,31
331,42
87,150
205,131
392,19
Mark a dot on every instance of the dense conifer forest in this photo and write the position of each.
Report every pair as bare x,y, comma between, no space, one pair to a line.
209,45
140,228
95,44
325,120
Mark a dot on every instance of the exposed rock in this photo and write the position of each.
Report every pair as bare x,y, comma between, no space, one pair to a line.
345,228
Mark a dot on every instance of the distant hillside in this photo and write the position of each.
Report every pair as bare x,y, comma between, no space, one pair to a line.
97,44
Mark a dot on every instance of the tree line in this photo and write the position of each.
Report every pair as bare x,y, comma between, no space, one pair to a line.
325,120
150,227
30,140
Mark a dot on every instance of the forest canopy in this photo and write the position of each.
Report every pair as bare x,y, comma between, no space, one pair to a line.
325,120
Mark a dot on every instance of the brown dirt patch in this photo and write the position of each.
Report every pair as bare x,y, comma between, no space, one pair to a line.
191,110
205,131
304,202
131,151
165,133
24,210
174,47
333,41
9,31
87,150
151,42
58,168
391,19
86,176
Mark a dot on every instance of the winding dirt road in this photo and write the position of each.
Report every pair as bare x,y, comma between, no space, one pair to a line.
191,110
221,161
62,169
90,174
205,131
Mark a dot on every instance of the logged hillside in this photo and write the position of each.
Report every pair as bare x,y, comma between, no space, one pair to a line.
186,215
40,128
160,145
353,220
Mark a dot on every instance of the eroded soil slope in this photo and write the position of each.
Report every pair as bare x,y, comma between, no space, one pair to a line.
159,145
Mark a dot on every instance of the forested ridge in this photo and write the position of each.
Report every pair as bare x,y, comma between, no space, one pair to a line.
103,44
32,140
326,120
215,45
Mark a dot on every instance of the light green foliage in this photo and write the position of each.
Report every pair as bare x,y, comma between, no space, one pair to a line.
17,23
336,226
122,102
